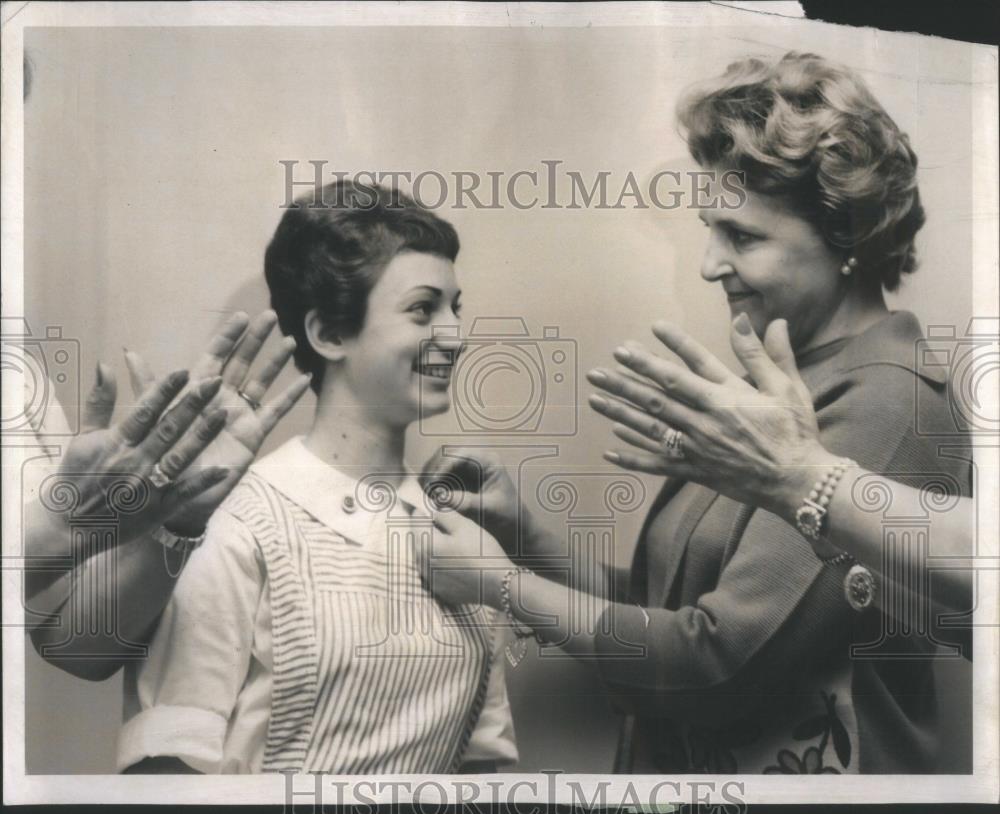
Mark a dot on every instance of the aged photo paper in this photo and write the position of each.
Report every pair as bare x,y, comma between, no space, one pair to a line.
508,544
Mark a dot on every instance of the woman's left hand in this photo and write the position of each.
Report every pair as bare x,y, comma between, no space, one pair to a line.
464,565
755,445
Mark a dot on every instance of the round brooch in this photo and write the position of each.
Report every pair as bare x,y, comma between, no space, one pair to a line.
859,587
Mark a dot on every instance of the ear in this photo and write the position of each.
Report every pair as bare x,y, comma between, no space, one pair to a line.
326,344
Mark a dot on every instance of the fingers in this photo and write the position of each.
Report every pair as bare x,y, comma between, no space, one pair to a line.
637,440
141,376
779,349
448,522
651,402
186,489
445,468
144,415
258,385
176,422
698,359
235,370
638,461
749,350
192,444
627,415
100,403
270,414
673,379
437,464
469,467
221,346
49,424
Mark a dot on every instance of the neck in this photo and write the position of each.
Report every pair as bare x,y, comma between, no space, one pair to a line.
857,312
352,438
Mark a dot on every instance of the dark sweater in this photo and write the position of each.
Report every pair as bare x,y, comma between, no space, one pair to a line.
748,665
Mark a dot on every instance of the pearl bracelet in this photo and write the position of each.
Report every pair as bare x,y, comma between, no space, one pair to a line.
811,514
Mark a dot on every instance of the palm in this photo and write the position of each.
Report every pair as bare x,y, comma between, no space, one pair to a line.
234,448
230,355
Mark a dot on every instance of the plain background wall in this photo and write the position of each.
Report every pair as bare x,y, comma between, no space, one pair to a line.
153,186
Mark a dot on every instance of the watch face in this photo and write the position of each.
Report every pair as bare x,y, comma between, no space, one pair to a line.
859,587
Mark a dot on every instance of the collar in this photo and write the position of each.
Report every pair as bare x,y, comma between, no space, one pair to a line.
354,509
895,340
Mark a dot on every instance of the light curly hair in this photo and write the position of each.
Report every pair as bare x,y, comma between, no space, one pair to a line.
808,129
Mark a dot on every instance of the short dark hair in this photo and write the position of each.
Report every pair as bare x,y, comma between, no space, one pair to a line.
809,129
329,251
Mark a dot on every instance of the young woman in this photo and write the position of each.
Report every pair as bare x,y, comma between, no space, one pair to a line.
300,636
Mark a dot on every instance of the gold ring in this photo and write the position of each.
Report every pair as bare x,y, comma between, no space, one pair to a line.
254,404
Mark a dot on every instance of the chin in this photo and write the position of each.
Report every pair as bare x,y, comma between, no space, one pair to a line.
432,404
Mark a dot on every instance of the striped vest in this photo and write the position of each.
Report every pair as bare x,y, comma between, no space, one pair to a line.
371,675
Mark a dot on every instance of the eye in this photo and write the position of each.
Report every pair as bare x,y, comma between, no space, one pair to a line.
741,239
422,309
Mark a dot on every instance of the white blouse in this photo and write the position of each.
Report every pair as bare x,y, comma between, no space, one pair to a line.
205,692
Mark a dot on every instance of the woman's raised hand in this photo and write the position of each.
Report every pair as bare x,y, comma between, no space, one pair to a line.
699,422
119,467
239,395
464,565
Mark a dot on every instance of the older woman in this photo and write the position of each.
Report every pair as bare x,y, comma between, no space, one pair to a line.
732,652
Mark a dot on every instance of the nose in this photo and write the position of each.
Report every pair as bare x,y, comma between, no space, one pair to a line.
716,263
447,338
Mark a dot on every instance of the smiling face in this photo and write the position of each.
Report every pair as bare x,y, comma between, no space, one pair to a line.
397,366
774,264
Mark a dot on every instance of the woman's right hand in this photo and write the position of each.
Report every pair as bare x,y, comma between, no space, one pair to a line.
756,444
476,484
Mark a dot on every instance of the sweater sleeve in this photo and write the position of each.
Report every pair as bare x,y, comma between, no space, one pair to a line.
776,610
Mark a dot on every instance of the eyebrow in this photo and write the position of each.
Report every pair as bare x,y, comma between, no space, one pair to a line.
437,292
729,222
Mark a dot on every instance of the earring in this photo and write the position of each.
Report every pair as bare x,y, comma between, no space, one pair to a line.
849,266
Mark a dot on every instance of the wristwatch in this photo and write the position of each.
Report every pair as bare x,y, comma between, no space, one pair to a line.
175,542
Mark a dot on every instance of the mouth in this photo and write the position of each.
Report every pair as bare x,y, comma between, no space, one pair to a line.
434,371
739,296
438,366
